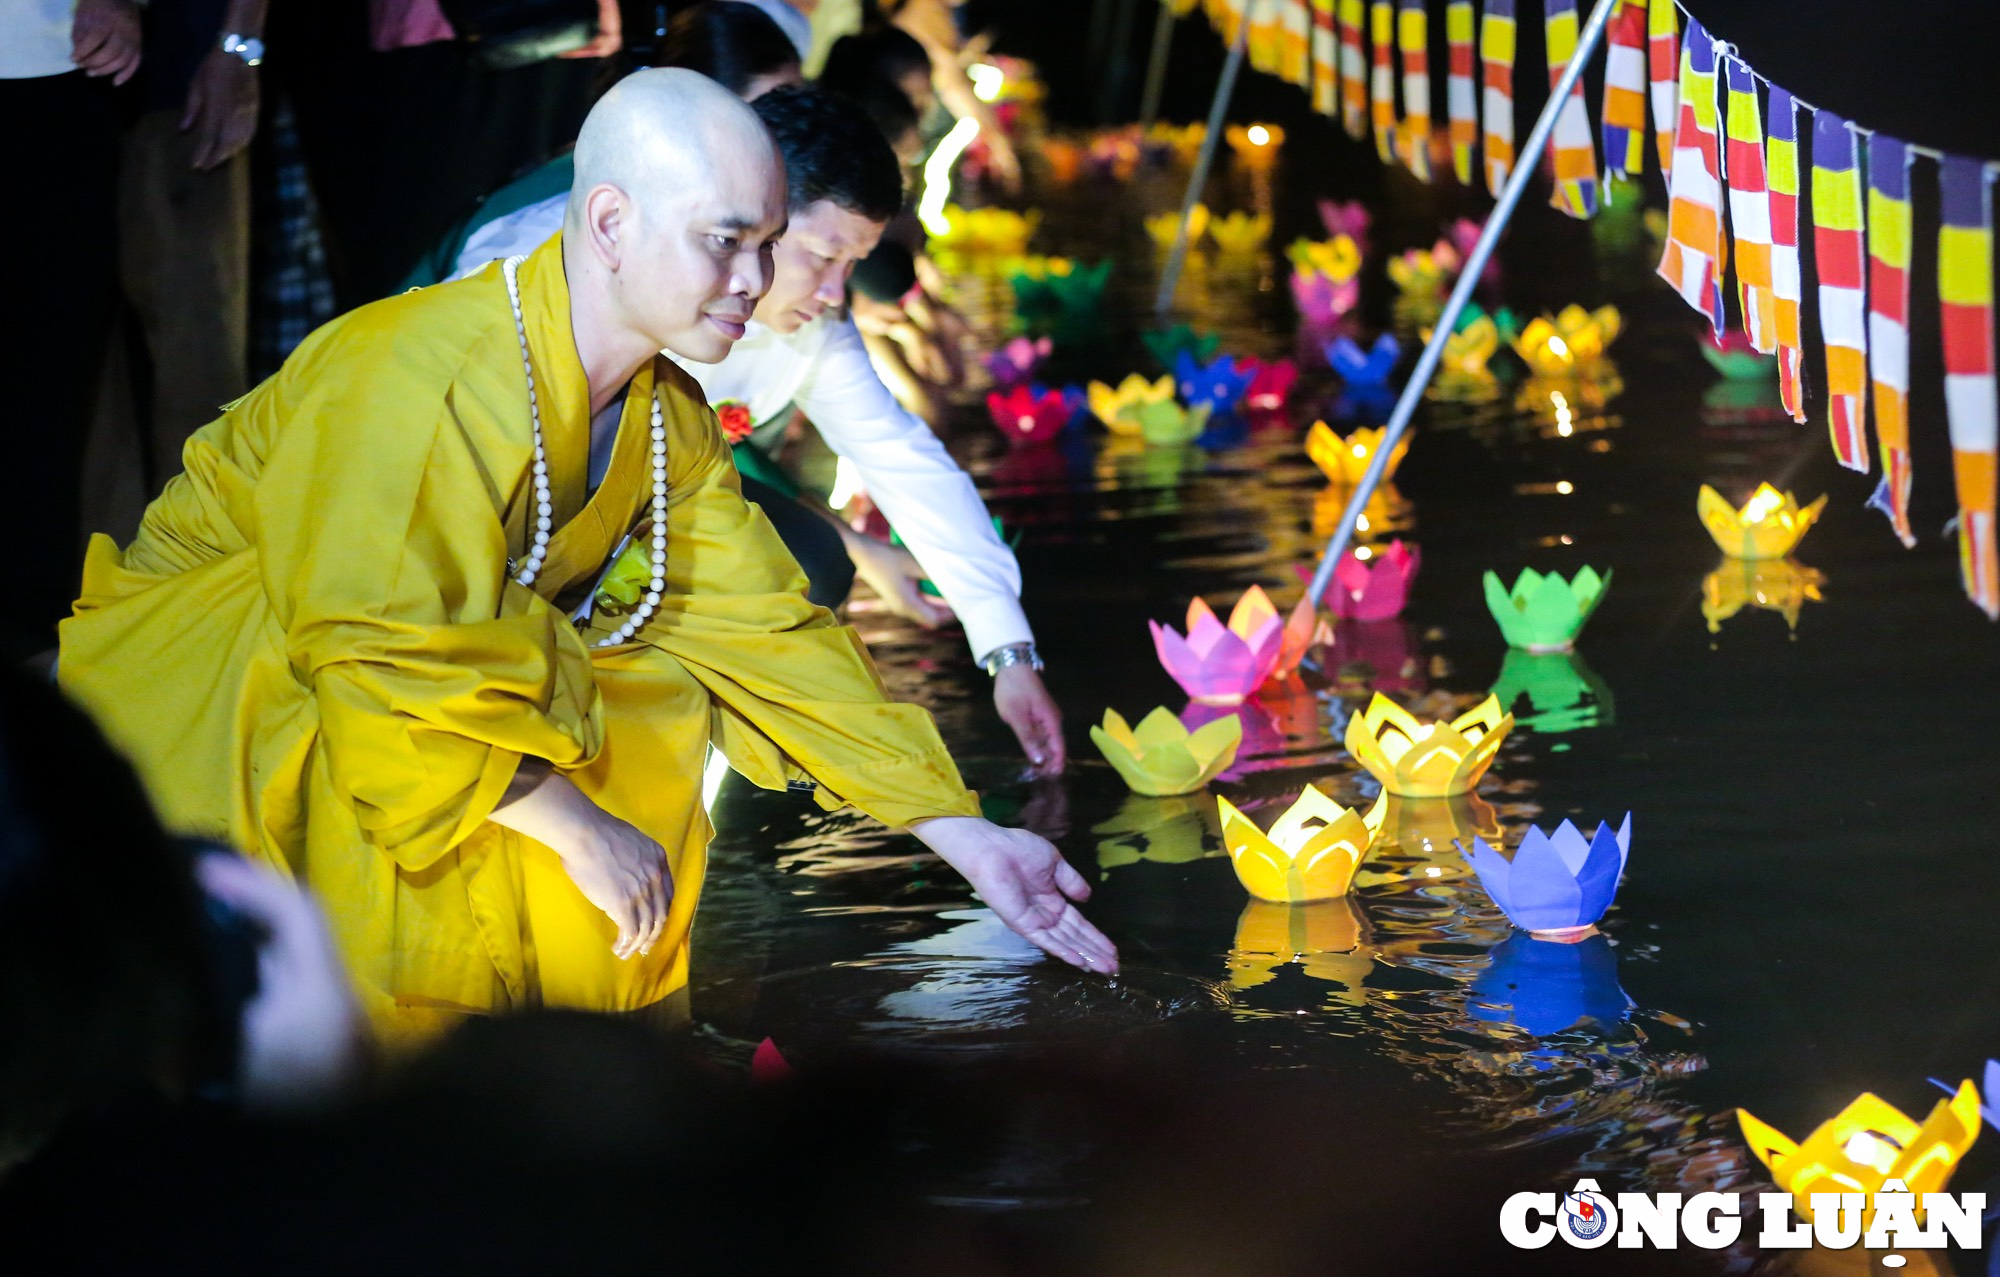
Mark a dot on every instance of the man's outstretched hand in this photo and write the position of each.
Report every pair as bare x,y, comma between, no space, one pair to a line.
1026,882
1025,705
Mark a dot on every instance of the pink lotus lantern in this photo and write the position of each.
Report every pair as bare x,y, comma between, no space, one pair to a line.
1303,629
1368,585
1346,217
1271,388
1018,361
1322,300
1463,234
1219,664
1028,419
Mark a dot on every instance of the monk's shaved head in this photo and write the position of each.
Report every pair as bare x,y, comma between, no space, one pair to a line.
678,200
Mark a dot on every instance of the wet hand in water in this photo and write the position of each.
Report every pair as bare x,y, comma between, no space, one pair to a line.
1024,880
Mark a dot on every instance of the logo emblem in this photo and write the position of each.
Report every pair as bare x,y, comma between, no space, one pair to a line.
1588,1217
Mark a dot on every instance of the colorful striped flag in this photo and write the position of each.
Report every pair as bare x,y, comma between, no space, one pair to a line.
1663,67
1889,236
1749,207
1460,97
1382,76
1325,49
1965,296
1497,31
1571,150
1294,34
1353,70
1781,164
1413,28
1696,256
1839,257
1266,35
1625,89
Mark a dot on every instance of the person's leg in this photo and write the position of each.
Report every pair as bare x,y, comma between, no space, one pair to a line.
813,541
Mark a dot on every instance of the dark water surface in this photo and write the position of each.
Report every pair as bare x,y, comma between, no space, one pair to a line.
1808,908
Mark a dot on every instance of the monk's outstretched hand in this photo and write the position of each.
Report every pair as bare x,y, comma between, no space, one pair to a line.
1026,882
615,866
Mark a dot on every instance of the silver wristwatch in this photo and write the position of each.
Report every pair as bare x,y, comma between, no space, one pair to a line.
247,47
1013,654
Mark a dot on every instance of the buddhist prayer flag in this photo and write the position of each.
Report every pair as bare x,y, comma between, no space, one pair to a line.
1325,52
1781,171
1413,27
1663,76
1353,70
1571,151
1749,207
1625,89
1838,257
1382,76
1294,32
1889,236
1461,98
1965,294
1266,35
1694,260
1496,64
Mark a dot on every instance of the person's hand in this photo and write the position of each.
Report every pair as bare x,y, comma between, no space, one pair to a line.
1025,705
615,866
610,35
104,38
893,573
221,108
303,1040
1026,883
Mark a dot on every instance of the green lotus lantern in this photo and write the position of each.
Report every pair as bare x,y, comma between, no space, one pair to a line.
1545,613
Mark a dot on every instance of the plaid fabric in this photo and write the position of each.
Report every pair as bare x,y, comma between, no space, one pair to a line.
291,292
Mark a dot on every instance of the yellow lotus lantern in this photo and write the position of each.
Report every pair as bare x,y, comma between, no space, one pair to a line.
1462,374
1256,145
1161,756
1569,342
1338,258
1427,760
986,230
1185,140
1344,461
1163,227
1327,939
1119,407
1767,527
1783,586
1311,853
1867,1144
1240,232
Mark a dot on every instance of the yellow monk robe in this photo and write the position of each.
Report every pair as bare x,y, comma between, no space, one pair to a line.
313,651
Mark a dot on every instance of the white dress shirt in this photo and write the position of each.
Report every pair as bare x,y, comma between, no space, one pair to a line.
35,38
824,370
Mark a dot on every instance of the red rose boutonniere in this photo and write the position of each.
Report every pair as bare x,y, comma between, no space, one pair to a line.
735,420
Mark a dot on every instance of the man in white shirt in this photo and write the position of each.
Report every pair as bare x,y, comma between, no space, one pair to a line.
800,351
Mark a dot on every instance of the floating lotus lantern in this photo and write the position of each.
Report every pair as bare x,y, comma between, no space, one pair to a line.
1311,853
1166,227
1173,830
980,231
1044,285
1732,355
1018,360
1114,155
1368,586
1164,423
1783,586
1303,629
1271,388
1462,234
1557,885
1544,988
1767,527
1168,344
1219,664
1183,140
1422,274
1344,460
1118,407
1864,1146
1427,760
1545,613
1160,757
1221,383
1338,258
1563,693
1568,343
1462,375
1240,232
1326,939
1064,158
1256,145
1349,218
1359,369
1027,418
1322,301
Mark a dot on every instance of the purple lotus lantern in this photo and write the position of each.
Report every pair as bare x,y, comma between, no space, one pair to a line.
1558,885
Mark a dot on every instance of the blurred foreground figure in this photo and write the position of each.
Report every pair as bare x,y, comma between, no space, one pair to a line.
363,637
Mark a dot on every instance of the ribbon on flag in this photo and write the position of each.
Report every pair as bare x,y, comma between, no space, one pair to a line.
1663,66
1325,49
1625,90
1413,28
1965,299
1571,151
1695,256
1497,39
1781,171
1839,256
1749,207
1353,70
1460,97
1889,236
1382,77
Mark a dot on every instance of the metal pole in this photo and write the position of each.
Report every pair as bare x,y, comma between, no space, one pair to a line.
1156,66
1170,279
1406,406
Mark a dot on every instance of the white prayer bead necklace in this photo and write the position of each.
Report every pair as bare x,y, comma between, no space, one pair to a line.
538,547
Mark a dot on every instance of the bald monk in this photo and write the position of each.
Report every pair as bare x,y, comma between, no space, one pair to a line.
343,639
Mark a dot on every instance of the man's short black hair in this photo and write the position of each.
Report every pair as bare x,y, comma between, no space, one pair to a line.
888,106
879,50
832,151
732,43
